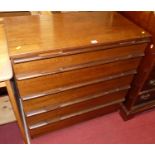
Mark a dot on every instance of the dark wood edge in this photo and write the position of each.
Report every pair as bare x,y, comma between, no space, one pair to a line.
143,71
136,110
143,106
124,113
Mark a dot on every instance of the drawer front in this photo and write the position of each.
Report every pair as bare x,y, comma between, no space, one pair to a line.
146,97
47,114
47,83
72,61
82,93
150,83
72,120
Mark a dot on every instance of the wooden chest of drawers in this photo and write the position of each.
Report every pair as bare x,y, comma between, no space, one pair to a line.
68,70
142,94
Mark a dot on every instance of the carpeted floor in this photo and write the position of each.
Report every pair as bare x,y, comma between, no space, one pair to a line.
106,129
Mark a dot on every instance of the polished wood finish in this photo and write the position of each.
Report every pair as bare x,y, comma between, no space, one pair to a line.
73,108
14,13
146,96
56,64
150,82
71,67
64,97
30,87
78,85
141,96
139,80
139,17
68,31
151,29
73,120
145,19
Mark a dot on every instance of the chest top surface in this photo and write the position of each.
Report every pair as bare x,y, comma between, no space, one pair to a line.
31,34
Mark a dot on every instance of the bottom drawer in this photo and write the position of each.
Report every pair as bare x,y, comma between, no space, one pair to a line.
45,114
72,120
146,96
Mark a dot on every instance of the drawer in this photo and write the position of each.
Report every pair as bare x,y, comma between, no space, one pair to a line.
73,61
45,84
47,126
79,94
46,114
150,82
146,96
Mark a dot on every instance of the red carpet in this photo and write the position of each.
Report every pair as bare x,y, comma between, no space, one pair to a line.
106,129
10,134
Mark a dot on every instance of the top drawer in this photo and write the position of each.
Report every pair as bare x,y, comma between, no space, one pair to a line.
45,64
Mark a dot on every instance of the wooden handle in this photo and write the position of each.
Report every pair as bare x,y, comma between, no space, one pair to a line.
49,108
50,54
60,89
145,97
46,122
78,66
152,82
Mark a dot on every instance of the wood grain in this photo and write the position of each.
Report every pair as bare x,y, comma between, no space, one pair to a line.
68,30
73,120
64,61
30,87
14,13
72,95
58,63
144,81
67,110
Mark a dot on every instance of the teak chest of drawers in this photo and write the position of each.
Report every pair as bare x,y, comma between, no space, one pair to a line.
70,67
